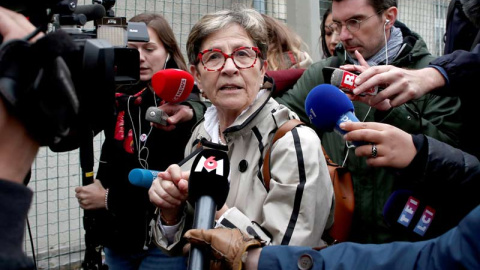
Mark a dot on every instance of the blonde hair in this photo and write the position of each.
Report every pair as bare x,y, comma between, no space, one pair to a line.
282,41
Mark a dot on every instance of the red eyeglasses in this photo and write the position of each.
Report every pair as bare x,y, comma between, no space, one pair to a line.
243,58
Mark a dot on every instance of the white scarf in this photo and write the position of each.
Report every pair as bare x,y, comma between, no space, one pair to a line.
211,122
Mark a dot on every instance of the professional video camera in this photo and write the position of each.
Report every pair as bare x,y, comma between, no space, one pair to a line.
63,85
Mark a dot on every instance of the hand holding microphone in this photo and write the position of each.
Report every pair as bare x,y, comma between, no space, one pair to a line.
347,80
173,86
170,189
402,85
394,146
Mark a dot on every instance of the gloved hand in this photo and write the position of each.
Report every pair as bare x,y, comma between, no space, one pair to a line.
228,245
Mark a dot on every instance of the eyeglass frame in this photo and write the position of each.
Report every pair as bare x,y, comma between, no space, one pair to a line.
359,22
226,56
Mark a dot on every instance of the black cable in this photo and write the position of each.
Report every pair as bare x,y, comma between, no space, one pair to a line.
31,243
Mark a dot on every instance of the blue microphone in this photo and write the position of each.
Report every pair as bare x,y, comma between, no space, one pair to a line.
142,177
327,107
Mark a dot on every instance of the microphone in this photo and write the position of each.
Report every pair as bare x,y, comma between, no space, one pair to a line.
92,12
142,177
404,211
172,85
208,188
346,82
327,107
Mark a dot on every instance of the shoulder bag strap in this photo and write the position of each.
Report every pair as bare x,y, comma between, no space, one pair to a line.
281,131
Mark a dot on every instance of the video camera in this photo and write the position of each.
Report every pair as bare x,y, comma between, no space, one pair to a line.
64,84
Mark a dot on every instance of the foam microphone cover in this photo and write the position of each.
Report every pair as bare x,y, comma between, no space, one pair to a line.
142,177
337,77
92,12
172,85
395,205
209,177
325,104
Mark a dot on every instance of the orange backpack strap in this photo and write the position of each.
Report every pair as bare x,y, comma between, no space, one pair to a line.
281,131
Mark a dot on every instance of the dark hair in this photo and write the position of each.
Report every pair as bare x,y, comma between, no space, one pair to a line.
326,51
165,33
378,5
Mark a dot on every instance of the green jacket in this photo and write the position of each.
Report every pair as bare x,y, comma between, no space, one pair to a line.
435,116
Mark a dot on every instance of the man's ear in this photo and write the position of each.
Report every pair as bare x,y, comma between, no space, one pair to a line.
390,17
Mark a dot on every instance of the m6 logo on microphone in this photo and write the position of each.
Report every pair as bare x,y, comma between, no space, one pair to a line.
210,164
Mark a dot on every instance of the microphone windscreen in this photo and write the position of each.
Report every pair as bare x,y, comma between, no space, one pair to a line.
337,77
325,104
92,12
172,85
142,177
209,177
395,205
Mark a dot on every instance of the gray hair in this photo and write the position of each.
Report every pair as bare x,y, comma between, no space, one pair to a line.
249,19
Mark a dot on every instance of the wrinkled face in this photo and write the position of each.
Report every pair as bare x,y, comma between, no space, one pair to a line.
331,38
231,89
369,39
152,55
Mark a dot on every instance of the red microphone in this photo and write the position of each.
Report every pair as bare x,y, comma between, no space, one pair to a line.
346,82
172,85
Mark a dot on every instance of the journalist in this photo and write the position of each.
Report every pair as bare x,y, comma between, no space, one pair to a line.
137,143
17,153
371,28
454,74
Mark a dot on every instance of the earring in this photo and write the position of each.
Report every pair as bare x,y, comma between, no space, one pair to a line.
261,85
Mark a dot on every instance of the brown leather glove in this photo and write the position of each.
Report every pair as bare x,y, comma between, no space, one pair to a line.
228,245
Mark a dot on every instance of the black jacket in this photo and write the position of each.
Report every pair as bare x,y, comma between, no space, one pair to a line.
462,69
15,201
444,178
125,225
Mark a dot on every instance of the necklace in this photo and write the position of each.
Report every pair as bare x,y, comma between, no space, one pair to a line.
220,141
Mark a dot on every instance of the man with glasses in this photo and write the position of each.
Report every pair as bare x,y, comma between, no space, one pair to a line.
369,28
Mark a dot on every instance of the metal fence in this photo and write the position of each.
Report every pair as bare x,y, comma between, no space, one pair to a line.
55,217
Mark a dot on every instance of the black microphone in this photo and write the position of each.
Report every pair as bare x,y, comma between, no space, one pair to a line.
92,12
406,210
208,188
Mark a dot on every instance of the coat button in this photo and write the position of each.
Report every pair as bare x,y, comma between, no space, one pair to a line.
305,262
243,165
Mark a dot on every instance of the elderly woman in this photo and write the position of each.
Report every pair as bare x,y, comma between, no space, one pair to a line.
227,52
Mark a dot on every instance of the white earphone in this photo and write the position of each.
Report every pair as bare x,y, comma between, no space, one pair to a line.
387,21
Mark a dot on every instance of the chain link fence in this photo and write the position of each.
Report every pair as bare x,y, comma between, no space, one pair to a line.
55,217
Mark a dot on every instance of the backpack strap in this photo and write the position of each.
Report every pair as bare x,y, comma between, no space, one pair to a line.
281,131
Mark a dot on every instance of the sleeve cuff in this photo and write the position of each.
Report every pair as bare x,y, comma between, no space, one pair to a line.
443,72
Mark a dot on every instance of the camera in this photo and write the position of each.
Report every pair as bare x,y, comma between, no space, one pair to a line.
63,86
